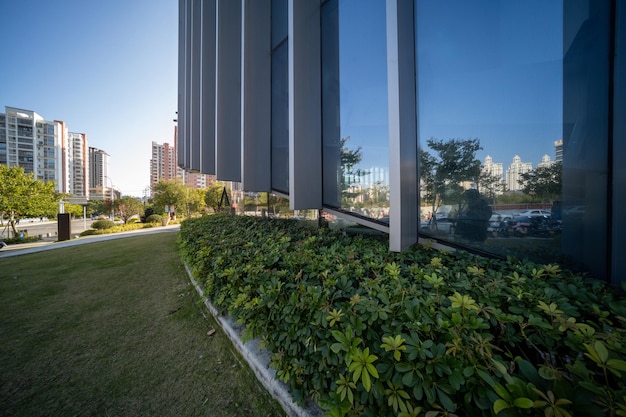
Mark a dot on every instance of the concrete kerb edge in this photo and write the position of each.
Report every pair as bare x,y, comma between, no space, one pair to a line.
258,359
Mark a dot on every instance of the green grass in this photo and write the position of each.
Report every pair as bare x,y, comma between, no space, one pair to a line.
115,329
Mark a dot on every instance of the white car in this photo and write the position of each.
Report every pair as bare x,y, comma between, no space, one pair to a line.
534,213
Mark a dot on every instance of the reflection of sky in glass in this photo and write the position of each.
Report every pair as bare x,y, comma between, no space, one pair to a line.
492,70
363,79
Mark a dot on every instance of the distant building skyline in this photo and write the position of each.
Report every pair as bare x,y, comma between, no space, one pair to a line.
47,149
163,166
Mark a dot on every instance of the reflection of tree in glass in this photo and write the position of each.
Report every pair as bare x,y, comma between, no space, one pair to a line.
349,177
543,183
490,185
443,173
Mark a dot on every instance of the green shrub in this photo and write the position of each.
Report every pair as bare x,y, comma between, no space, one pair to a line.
102,224
18,240
154,218
359,329
118,228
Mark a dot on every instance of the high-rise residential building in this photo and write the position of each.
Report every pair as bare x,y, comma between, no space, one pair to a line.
76,165
163,167
33,143
558,150
98,173
163,163
514,173
495,171
197,180
545,162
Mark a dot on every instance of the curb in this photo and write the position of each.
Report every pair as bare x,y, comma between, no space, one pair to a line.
258,359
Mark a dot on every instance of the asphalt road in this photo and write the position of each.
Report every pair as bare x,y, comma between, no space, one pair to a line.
47,229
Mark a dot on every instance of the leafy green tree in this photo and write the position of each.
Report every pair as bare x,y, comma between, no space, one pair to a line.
213,195
543,183
75,210
24,195
350,158
126,207
170,194
96,207
490,186
195,201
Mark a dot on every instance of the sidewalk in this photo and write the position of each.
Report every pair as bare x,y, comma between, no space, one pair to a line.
52,243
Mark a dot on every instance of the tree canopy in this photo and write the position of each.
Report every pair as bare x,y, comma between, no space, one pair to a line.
177,197
543,183
126,207
23,195
453,162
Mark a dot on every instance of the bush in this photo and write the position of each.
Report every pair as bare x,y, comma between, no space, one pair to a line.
360,329
154,218
102,224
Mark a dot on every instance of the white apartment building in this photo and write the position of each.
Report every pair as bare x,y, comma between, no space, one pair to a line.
33,143
75,164
545,162
514,173
496,171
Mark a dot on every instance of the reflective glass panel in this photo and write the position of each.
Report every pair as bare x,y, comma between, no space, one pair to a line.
490,88
354,107
280,98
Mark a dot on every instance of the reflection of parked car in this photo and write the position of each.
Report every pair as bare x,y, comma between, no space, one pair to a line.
534,212
441,226
538,226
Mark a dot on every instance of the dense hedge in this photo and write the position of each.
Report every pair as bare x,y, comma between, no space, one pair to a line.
364,331
118,228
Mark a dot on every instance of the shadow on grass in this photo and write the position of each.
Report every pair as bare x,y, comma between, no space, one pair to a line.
115,329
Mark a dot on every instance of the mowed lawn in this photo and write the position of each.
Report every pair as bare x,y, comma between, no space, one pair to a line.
115,329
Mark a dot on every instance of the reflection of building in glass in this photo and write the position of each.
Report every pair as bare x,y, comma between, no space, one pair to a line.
514,173
375,176
495,171
546,162
558,150
279,84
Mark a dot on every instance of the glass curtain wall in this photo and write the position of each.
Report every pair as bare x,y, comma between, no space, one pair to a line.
512,160
280,98
354,107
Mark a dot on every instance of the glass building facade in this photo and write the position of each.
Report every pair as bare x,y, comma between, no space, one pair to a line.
487,126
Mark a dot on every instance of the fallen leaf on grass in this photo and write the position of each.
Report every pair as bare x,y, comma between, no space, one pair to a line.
211,332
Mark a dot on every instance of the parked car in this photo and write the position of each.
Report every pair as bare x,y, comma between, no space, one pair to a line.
534,212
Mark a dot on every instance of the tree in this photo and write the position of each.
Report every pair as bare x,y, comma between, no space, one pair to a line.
21,194
170,194
213,195
442,174
490,186
544,183
75,210
349,159
126,207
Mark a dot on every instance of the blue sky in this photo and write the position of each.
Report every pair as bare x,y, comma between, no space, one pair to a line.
493,71
106,68
487,69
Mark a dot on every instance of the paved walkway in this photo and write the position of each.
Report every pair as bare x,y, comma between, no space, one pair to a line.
25,248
